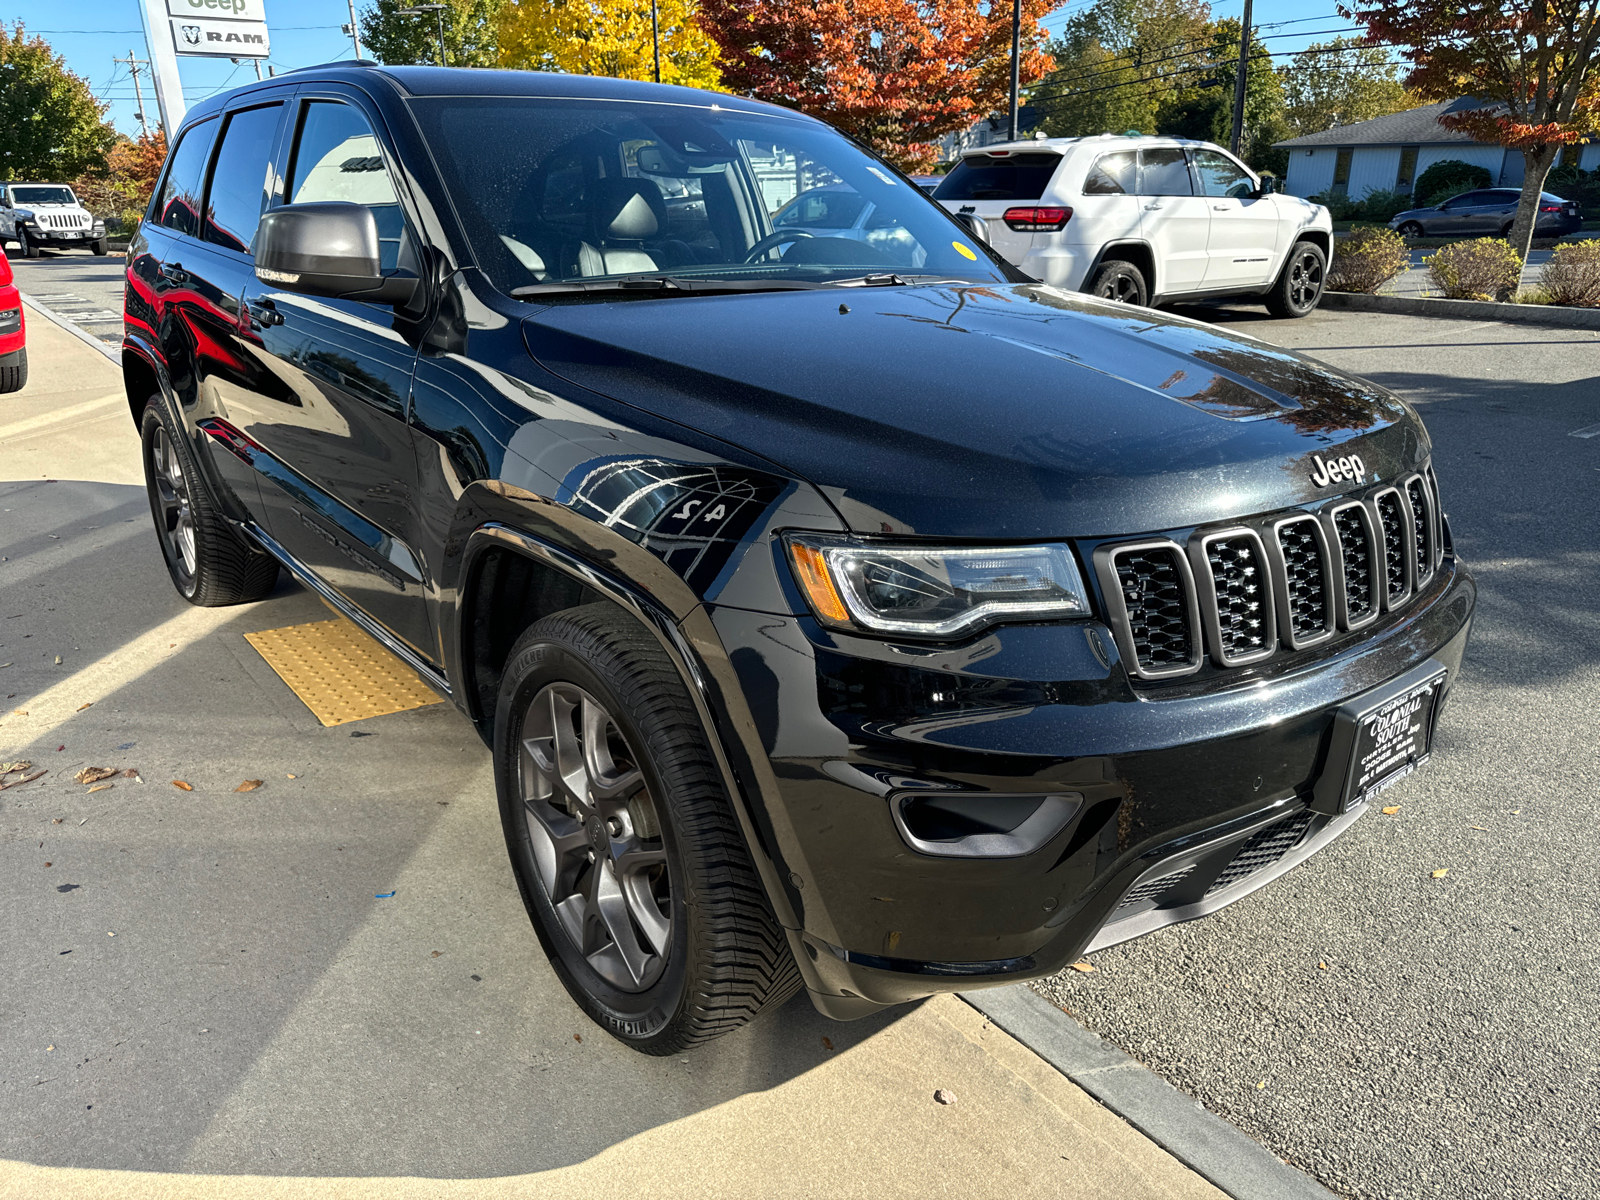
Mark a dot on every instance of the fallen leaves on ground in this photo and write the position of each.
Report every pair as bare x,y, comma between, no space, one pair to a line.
1083,965
1322,966
249,785
55,820
944,1096
23,780
1391,810
827,1043
96,774
81,707
182,786
99,787
19,712
1441,872
22,764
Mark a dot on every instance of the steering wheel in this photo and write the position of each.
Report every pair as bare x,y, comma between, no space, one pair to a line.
773,240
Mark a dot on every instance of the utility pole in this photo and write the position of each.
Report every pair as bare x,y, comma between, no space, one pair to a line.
163,65
353,29
1016,62
655,35
256,63
1239,80
133,68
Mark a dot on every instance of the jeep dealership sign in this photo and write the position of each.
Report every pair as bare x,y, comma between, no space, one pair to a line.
219,28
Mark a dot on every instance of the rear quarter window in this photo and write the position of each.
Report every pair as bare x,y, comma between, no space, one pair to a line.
1019,177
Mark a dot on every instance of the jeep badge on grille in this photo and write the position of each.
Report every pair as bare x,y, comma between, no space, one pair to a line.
1350,469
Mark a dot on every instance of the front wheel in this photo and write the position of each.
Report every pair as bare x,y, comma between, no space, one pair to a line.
1411,230
209,563
25,244
1299,287
1120,281
623,841
101,247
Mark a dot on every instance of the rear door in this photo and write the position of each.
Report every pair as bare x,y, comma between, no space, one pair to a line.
1243,241
985,185
340,477
1173,219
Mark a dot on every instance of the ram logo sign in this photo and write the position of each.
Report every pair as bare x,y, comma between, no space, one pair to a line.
219,28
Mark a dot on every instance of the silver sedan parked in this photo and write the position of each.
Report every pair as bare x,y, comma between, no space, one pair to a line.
1488,212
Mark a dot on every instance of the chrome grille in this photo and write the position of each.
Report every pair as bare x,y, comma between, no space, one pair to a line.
1239,578
1157,603
1397,539
1309,614
1262,849
1355,552
1421,527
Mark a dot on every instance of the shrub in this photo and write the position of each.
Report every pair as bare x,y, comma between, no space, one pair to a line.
1449,177
1572,275
1482,269
1367,259
1571,183
1376,205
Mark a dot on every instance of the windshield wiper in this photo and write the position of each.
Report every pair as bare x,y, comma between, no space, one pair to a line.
659,283
888,280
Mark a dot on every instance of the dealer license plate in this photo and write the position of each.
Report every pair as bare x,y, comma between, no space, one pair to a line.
1392,740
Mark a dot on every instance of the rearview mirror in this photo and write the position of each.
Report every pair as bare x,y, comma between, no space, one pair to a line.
974,224
329,248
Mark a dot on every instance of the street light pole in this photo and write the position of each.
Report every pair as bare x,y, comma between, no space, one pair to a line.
423,9
1016,62
655,35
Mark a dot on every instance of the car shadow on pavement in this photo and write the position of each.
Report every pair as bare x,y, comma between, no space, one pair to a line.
330,974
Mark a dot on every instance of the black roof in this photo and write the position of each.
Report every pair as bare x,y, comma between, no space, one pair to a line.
473,81
1415,126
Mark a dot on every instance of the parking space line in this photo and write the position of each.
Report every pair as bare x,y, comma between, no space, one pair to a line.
70,413
111,351
1587,431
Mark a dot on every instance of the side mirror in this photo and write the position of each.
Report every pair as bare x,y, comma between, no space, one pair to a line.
329,248
973,224
1266,187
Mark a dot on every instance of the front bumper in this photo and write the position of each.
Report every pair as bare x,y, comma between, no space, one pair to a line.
1187,778
13,326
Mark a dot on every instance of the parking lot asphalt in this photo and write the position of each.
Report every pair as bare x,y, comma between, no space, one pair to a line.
77,286
1392,1033
327,985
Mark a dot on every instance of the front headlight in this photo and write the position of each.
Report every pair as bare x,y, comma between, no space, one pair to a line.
933,591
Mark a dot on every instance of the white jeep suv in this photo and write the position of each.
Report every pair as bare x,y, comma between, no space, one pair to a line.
1144,220
48,214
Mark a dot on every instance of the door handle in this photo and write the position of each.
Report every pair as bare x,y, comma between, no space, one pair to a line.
1222,207
265,312
1150,207
174,273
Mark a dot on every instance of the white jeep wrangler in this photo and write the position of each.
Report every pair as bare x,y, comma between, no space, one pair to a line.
47,214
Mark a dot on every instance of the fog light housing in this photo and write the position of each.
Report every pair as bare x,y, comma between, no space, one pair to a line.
981,824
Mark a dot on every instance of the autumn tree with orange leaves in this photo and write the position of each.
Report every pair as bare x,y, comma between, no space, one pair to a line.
895,74
1532,64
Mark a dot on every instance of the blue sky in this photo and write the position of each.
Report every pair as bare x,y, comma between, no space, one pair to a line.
90,33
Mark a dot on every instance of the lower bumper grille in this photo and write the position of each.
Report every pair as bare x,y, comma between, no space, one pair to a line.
1262,849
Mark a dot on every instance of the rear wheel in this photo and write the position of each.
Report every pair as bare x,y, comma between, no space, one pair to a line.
210,564
1299,287
13,370
623,841
1119,281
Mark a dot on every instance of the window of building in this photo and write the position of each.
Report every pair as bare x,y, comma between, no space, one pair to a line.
1407,173
1341,173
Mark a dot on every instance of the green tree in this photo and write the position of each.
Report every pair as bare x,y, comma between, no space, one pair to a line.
469,33
53,127
1200,104
1117,62
1339,83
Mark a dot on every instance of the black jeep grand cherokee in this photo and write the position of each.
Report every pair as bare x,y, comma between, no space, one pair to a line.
842,608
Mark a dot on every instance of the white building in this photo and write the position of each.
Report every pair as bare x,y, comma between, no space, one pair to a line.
1388,153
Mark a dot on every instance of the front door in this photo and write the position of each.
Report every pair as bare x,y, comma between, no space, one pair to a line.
1175,221
1242,243
339,477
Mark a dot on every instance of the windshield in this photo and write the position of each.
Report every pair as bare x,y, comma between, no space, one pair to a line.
42,195
552,191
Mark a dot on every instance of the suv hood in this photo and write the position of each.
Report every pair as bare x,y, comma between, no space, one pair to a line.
1012,411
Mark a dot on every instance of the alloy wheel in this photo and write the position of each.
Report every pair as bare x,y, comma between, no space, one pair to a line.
1120,288
595,836
1305,280
177,516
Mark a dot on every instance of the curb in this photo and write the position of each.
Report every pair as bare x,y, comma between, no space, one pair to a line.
110,352
1201,1140
1470,310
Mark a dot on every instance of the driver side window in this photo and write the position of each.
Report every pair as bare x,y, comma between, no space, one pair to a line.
337,157
1221,176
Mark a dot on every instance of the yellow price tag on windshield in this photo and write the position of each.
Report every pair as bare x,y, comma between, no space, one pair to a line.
965,251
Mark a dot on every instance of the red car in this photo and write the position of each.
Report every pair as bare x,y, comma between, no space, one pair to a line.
13,355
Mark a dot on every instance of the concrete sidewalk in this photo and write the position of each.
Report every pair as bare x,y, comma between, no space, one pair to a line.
202,996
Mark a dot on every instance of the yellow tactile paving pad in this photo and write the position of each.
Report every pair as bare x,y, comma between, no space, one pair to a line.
339,672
